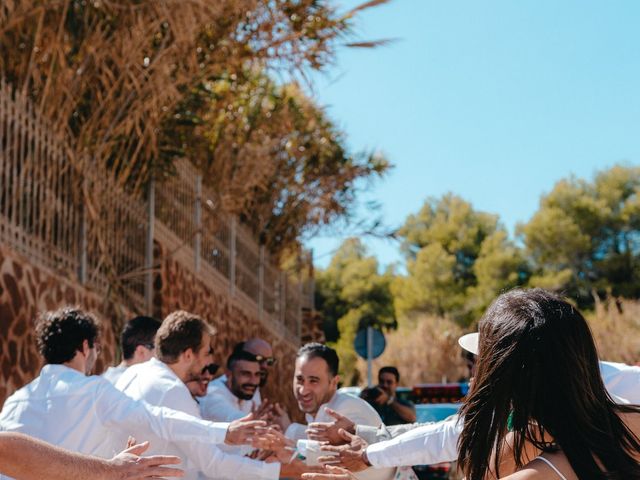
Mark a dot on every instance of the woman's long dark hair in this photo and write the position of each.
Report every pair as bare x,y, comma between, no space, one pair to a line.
538,363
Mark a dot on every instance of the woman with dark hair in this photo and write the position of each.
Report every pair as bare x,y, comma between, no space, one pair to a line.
538,404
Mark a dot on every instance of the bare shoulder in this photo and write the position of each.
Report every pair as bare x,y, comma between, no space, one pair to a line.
538,469
632,420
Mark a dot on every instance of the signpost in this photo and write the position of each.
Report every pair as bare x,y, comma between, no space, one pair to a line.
369,344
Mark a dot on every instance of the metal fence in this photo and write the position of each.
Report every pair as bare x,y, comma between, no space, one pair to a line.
68,216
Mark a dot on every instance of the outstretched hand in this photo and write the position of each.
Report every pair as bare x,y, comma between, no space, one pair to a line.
273,439
349,456
328,431
330,473
281,417
129,465
243,430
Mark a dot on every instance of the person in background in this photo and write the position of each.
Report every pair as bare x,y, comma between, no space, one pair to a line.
232,396
383,399
26,458
136,342
262,353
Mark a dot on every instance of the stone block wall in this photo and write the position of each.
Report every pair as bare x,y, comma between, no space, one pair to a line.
26,290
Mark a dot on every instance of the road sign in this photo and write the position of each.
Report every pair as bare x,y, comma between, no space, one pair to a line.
378,343
369,344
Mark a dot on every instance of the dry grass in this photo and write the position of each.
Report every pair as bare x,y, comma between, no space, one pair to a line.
615,324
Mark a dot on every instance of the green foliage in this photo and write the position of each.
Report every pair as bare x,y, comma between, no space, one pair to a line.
458,259
585,237
351,295
583,241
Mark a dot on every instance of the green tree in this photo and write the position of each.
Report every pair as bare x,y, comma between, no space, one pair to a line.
585,237
458,259
351,295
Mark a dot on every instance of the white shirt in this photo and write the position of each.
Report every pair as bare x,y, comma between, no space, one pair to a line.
155,383
112,374
622,380
425,445
220,404
358,411
86,414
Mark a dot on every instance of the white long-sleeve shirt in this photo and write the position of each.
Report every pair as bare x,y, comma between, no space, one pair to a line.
155,383
221,405
424,445
87,414
112,374
359,412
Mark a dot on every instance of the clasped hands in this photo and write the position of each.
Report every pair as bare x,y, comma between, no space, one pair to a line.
345,450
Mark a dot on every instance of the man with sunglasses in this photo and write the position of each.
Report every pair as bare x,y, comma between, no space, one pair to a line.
263,353
136,341
232,396
198,387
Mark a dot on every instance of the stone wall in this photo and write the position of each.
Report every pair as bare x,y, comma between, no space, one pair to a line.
26,289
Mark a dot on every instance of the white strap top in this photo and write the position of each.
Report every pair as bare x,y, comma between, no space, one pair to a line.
553,467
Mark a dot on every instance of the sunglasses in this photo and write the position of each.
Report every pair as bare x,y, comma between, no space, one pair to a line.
269,361
212,368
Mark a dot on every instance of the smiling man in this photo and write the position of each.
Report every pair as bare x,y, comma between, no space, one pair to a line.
232,396
315,385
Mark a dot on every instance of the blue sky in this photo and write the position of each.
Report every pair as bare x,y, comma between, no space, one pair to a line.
494,101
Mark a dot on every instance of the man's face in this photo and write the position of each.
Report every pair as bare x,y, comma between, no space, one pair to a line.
313,385
264,351
201,358
198,388
244,379
388,383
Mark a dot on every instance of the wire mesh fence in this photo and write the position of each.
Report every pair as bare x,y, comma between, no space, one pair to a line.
65,214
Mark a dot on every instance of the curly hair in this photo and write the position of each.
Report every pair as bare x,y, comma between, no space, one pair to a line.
60,333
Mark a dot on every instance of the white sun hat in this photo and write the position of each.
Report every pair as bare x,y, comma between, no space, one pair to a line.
469,342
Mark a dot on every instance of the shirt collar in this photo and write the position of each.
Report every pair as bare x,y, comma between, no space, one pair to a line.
163,366
312,418
51,369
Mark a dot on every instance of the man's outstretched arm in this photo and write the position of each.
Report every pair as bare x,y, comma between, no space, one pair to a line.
26,458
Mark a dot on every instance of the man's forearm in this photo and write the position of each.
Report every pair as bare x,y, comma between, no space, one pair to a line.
26,458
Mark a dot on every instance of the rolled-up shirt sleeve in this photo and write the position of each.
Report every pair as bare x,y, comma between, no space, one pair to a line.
425,445
119,411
